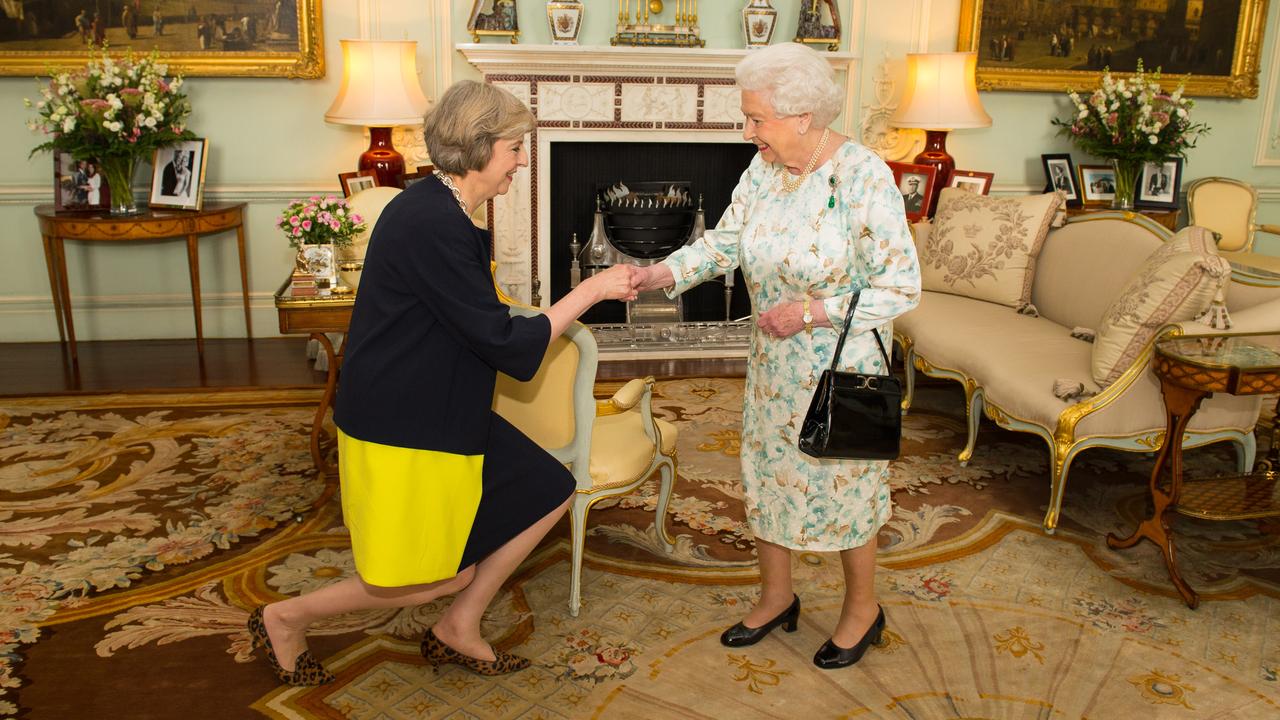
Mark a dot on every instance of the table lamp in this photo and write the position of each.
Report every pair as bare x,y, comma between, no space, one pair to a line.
379,90
941,95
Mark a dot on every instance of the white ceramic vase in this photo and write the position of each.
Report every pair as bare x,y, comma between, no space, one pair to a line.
758,19
565,18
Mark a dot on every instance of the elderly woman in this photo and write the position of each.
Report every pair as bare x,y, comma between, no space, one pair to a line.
815,222
441,496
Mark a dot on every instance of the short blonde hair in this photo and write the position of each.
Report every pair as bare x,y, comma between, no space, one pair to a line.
467,120
797,79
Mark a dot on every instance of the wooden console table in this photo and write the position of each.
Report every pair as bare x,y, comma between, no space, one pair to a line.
1190,369
315,315
1167,218
148,226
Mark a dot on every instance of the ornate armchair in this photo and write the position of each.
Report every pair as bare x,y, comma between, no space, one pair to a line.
611,446
1229,207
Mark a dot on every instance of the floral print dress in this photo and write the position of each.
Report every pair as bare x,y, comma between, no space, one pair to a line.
843,230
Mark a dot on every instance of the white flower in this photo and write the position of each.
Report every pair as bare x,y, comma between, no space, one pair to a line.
150,122
1083,114
68,125
1182,113
1153,139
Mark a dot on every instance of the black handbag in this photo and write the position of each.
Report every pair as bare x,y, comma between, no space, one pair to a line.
854,416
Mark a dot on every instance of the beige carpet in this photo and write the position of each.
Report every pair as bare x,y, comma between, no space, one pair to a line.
138,530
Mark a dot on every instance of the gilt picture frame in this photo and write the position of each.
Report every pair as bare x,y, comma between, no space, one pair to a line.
269,38
1217,47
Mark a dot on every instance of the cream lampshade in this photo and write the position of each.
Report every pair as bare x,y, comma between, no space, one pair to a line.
379,90
941,95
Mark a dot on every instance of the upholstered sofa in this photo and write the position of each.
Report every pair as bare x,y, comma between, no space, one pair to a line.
1014,365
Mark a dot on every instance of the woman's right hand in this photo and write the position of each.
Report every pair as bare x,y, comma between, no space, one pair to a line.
617,283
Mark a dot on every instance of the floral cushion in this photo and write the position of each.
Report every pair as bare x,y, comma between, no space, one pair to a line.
985,247
1177,282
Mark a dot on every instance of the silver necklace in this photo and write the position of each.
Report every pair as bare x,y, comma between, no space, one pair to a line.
457,194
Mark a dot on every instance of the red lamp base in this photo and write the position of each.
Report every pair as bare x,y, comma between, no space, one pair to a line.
382,158
935,154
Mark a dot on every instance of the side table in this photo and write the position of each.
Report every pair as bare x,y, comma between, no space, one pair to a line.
1190,369
148,226
316,315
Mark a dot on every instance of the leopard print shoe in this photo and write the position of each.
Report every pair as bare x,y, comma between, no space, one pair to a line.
307,670
437,654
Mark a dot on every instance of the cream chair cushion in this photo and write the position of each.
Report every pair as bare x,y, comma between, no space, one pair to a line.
986,247
616,456
1176,283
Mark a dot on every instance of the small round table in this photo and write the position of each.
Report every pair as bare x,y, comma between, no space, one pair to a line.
147,226
1190,369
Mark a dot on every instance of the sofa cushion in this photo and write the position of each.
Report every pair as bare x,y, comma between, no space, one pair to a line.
985,247
1176,283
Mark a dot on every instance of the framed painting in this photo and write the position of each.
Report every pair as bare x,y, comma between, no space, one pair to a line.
978,183
1160,183
247,38
1060,175
1097,185
1059,46
915,182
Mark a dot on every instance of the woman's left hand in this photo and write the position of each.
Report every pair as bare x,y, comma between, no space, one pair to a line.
782,321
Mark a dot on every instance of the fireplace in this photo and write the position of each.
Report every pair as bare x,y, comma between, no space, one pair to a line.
637,114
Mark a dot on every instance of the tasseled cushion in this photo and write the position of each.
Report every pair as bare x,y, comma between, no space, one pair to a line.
1083,333
1029,310
1068,390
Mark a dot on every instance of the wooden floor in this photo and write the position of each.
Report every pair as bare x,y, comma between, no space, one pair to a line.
141,365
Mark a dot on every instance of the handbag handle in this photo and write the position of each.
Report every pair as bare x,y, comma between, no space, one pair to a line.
848,318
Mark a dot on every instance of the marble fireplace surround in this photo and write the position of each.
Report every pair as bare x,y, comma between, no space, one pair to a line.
629,94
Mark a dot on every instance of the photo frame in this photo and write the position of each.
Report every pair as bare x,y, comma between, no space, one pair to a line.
357,180
494,18
1218,54
177,175
408,179
915,182
74,188
1097,185
1160,184
975,182
269,39
1060,175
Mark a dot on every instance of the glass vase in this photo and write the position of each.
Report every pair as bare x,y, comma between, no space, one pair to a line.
1127,172
118,172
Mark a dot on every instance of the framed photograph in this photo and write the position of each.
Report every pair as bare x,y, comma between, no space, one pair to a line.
493,18
975,182
1060,175
408,179
1063,45
1097,185
355,181
177,175
247,38
77,184
1159,185
915,182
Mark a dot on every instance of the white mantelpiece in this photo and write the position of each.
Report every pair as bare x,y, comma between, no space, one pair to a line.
604,94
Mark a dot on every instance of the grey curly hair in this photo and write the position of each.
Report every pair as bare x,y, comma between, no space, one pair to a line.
797,80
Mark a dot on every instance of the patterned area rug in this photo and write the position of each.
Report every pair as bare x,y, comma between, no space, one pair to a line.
137,531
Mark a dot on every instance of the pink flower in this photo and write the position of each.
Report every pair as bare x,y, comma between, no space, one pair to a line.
130,91
306,224
297,232
333,224
295,221
355,218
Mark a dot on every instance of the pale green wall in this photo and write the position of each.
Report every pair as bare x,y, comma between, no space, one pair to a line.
269,142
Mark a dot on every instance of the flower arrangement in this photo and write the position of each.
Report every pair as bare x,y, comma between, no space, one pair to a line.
320,221
114,111
1132,121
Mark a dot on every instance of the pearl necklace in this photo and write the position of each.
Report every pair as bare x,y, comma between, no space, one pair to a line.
790,183
457,194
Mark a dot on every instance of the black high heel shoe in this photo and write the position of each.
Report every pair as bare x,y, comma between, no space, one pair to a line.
831,656
740,635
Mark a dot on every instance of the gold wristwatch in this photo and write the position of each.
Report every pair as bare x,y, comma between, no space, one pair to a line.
807,317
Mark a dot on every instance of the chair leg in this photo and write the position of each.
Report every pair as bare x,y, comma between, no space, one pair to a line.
909,371
973,417
667,474
1246,452
578,539
1059,464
